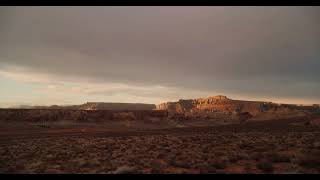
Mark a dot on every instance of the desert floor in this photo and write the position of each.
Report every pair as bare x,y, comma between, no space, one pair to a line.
278,146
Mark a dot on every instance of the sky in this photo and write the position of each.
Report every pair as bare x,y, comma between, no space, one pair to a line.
73,55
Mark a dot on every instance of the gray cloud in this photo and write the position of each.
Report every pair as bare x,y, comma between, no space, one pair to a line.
262,51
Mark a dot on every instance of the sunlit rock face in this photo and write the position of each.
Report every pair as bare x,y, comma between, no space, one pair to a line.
222,107
212,104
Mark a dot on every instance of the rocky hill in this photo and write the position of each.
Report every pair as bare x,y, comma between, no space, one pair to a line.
221,107
214,103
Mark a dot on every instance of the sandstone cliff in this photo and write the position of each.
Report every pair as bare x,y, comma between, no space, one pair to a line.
221,107
212,104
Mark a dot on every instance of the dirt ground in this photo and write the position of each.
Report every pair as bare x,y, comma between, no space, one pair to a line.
279,146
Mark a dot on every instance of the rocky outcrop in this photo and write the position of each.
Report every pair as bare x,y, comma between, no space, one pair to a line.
52,115
216,107
212,104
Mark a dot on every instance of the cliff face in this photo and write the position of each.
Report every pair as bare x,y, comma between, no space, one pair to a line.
212,104
223,107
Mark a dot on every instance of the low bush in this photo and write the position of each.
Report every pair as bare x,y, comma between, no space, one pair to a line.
265,166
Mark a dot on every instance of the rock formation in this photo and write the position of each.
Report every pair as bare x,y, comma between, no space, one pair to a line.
202,111
216,107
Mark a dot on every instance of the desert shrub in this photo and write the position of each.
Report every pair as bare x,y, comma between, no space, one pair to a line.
260,149
158,166
243,156
257,156
126,170
219,163
183,164
210,169
179,163
157,171
205,150
309,159
204,171
44,125
247,167
219,153
265,166
233,158
246,146
277,158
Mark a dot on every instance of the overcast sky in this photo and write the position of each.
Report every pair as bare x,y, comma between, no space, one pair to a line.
71,55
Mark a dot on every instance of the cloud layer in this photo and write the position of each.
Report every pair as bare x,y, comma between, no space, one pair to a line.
162,53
